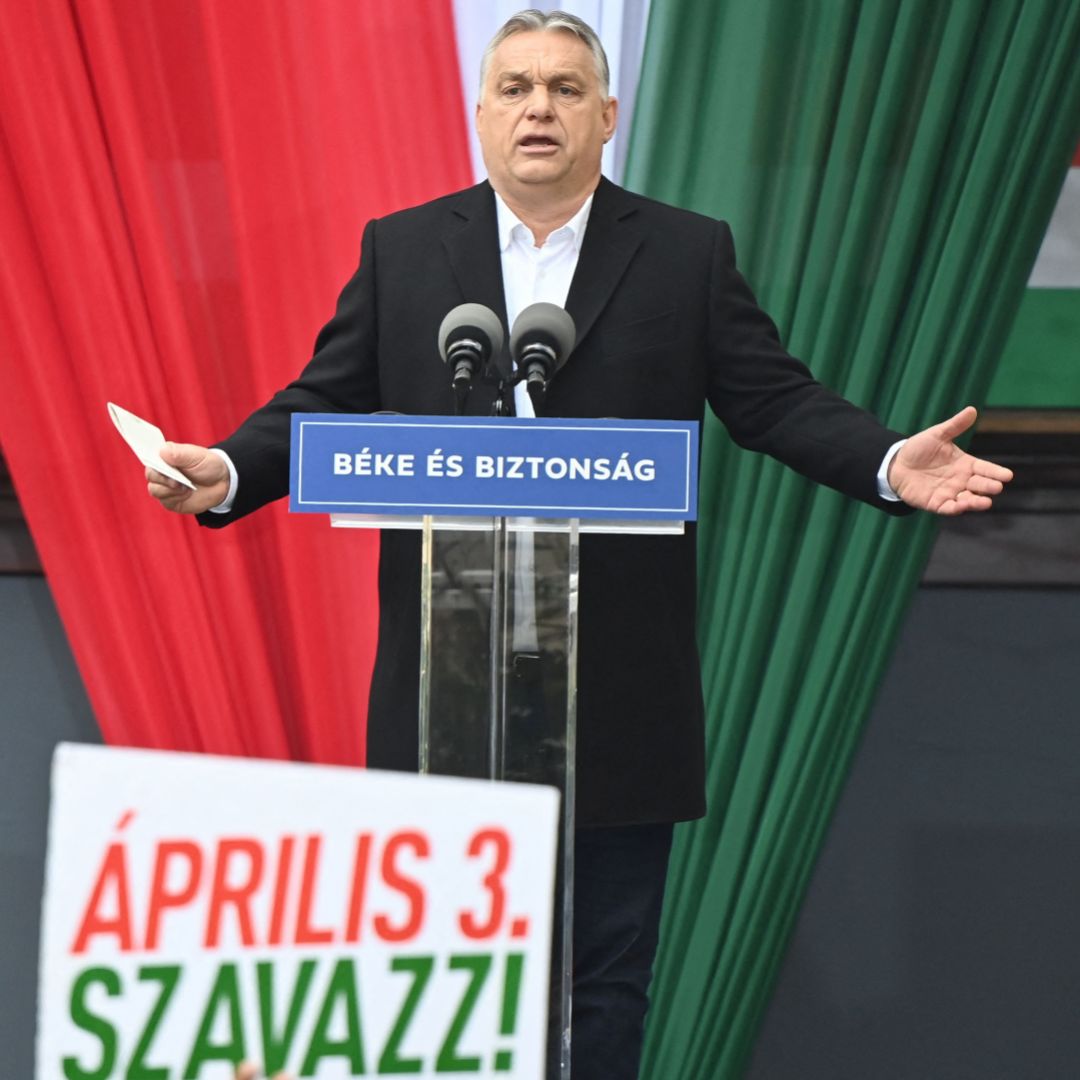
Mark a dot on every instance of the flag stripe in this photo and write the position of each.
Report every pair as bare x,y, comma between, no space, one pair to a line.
1040,367
1058,264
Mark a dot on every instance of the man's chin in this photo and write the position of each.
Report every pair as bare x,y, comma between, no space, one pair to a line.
539,172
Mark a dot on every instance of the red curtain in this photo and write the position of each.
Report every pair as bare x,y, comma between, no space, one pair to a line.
182,190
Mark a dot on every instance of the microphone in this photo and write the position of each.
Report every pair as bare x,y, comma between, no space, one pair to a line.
542,338
468,337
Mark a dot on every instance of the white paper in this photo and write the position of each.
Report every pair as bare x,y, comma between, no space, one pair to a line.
146,441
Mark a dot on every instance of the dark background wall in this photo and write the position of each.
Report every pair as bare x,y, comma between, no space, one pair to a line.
42,702
940,939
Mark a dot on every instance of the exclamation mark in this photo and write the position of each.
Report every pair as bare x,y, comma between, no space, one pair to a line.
515,963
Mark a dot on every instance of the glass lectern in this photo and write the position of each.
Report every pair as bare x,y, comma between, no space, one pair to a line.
498,674
499,606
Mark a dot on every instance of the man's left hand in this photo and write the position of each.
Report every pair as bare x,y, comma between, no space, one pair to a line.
931,472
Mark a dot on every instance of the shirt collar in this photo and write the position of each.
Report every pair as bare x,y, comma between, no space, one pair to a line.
508,221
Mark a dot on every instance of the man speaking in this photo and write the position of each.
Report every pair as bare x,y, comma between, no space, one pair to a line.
665,324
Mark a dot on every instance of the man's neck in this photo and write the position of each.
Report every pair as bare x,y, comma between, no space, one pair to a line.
542,214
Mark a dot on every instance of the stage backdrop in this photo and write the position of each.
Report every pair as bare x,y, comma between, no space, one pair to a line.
889,170
182,188
181,197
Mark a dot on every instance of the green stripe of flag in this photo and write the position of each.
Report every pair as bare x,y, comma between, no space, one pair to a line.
1040,367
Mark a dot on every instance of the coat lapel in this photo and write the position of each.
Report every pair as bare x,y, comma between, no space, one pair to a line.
471,240
612,236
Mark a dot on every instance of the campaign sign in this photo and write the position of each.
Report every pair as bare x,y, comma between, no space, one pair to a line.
494,466
323,921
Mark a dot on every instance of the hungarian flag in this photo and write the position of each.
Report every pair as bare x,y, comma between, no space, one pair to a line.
1041,363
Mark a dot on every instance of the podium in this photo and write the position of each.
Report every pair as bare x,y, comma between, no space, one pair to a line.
503,504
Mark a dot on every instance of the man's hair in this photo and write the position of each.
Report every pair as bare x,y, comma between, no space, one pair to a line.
533,19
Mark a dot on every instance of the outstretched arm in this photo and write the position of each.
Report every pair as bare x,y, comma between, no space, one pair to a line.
931,472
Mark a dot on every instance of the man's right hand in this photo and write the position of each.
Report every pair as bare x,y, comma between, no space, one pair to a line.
206,470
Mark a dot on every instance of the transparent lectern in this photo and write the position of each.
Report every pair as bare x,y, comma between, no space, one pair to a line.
499,604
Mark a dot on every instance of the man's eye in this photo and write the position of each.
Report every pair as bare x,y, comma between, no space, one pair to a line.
567,91
512,91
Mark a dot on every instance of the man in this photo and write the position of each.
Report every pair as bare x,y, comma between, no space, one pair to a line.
665,323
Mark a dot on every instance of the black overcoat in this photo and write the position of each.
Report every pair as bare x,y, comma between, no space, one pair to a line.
665,325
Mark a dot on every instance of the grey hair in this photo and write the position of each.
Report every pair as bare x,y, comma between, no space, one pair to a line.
534,19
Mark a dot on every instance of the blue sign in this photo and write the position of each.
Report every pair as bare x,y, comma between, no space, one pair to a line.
494,466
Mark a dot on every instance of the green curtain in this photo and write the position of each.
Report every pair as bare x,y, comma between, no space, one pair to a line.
888,169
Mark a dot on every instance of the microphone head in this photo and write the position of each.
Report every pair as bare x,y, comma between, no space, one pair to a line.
544,324
474,322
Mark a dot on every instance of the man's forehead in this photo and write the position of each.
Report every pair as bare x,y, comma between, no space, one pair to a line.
544,72
549,51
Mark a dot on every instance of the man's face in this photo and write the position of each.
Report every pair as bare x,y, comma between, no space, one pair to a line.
541,120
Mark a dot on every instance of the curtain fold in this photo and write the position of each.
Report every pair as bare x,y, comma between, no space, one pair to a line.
888,171
182,190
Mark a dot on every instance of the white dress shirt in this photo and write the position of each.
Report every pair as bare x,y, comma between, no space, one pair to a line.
533,275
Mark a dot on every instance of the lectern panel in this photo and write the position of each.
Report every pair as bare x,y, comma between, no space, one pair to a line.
498,684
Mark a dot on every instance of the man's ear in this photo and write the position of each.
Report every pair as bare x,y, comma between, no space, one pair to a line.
611,115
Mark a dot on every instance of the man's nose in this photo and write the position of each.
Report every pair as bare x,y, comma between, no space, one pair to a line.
540,104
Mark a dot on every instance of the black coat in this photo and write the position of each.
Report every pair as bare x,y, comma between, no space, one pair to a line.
665,324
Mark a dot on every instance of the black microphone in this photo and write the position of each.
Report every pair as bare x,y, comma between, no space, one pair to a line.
542,338
468,337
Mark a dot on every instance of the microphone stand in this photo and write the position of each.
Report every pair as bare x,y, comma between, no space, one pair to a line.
500,560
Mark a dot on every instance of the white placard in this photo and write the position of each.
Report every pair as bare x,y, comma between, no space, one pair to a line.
326,921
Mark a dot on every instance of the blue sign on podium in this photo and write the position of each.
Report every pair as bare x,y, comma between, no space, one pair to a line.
494,466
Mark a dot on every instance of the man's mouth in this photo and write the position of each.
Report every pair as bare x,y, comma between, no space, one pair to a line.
537,142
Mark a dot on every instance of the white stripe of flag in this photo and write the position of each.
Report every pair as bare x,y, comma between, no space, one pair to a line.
1058,264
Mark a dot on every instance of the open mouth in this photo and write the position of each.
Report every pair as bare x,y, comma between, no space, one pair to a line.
537,142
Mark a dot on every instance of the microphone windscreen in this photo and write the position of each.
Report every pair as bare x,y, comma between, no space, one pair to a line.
548,324
471,321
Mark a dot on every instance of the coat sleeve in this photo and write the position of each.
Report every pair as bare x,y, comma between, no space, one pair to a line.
342,376
770,402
